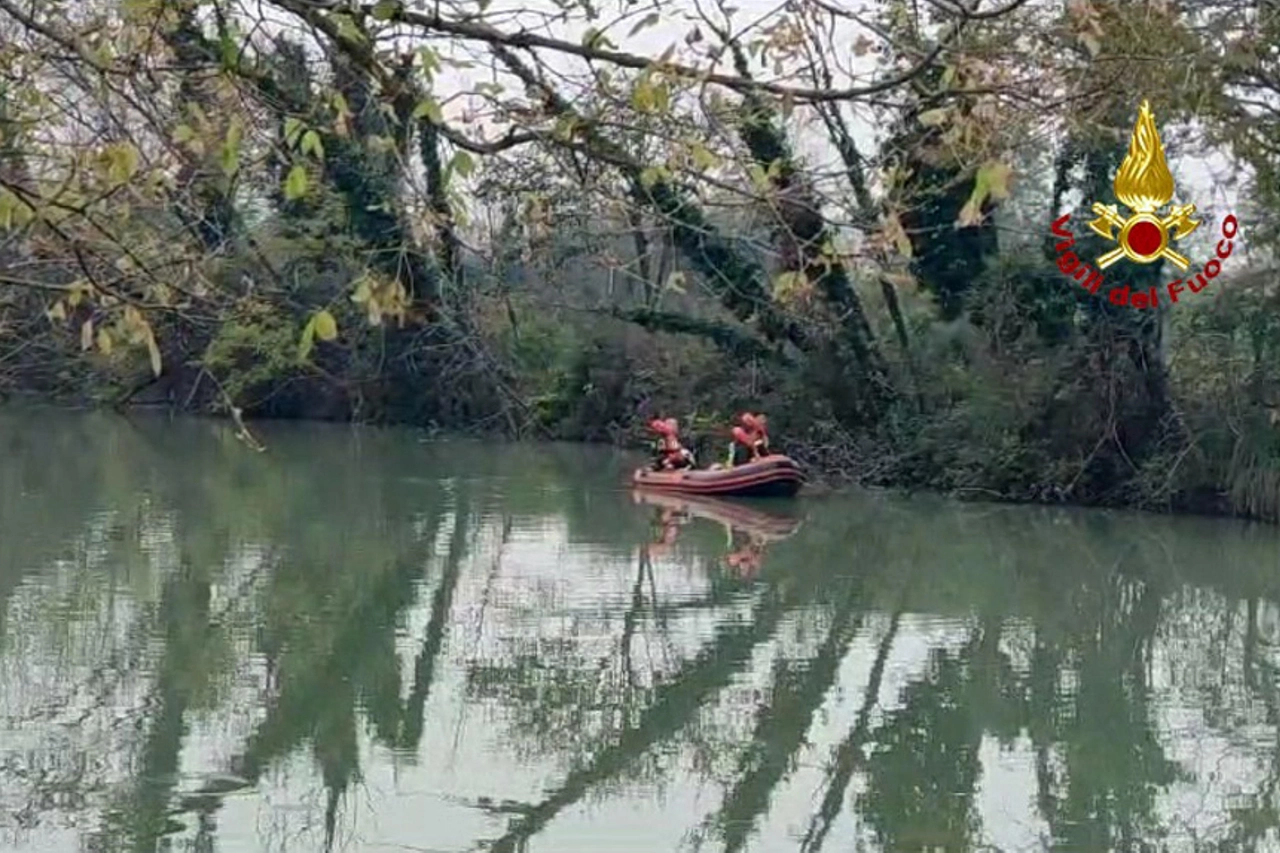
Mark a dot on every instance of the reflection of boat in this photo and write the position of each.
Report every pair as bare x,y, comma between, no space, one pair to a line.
765,525
772,476
744,558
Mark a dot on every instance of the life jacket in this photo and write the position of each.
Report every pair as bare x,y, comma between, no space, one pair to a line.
757,438
668,444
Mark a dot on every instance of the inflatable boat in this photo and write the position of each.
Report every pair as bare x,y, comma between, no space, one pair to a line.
772,476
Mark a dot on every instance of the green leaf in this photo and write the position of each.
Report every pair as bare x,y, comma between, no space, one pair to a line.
428,109
183,133
293,129
348,28
295,185
430,62
308,340
385,10
652,175
595,39
230,51
14,212
312,145
990,181
462,164
649,20
229,156
326,326
995,176
122,161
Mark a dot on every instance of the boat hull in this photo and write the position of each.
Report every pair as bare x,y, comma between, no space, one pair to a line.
772,476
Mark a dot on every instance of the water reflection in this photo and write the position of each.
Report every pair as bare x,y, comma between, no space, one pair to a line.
358,641
749,528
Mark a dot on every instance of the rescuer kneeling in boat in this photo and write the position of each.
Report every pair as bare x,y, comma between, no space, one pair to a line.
669,454
750,439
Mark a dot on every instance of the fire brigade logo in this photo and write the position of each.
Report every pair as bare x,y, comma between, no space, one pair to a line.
1144,184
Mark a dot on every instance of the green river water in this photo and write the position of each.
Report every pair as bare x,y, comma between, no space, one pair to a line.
362,641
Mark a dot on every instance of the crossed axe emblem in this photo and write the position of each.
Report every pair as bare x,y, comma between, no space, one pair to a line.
1144,237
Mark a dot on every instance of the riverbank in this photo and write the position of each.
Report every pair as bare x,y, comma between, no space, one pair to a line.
832,467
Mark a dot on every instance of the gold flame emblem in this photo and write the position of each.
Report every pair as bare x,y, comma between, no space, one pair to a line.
1144,184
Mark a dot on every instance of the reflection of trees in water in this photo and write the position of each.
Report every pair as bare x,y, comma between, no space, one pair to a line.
325,619
347,543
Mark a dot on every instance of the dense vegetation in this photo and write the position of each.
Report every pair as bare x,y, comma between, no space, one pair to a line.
463,218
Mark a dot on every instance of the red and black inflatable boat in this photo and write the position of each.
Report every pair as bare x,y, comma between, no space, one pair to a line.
773,476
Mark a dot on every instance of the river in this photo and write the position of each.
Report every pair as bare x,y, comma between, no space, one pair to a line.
359,640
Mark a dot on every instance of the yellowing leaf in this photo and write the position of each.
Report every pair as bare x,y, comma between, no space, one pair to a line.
295,184
153,351
651,176
58,312
970,215
183,133
788,284
703,158
86,335
76,294
104,342
895,235
121,161
642,96
995,176
990,181
326,326
661,97
933,118
364,291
